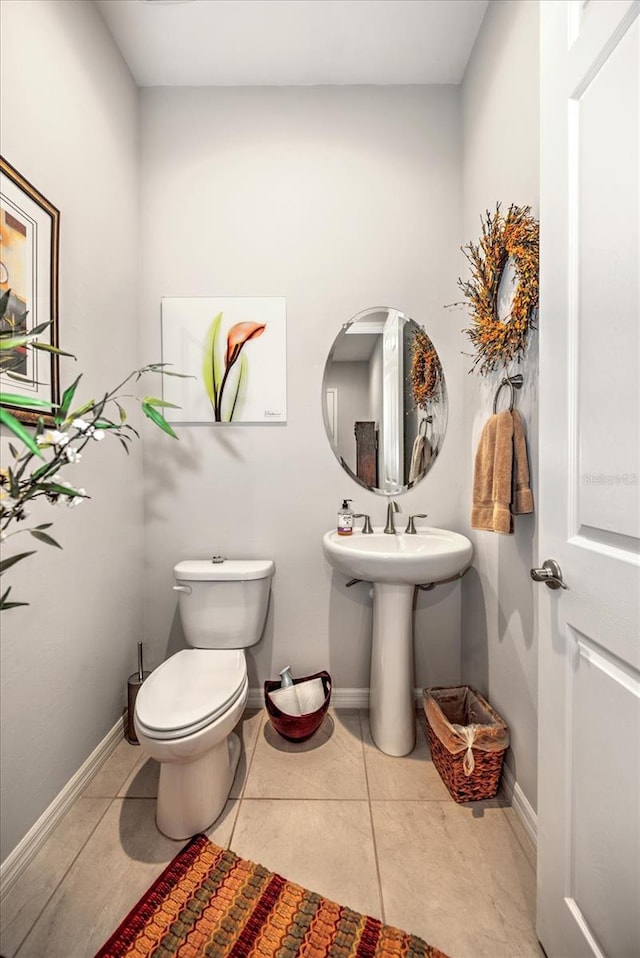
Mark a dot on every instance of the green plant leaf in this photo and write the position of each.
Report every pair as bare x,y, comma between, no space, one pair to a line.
43,470
61,490
123,444
9,339
7,563
14,488
82,409
7,365
43,537
14,452
161,368
13,399
9,605
151,401
67,398
52,349
211,364
158,419
18,430
12,342
122,411
38,329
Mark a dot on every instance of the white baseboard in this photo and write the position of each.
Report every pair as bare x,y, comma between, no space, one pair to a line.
520,804
340,698
26,850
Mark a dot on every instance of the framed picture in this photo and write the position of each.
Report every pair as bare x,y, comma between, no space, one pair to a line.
234,350
29,240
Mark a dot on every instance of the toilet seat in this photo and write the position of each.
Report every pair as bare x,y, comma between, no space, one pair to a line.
189,691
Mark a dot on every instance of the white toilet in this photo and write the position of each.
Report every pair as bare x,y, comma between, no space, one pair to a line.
187,708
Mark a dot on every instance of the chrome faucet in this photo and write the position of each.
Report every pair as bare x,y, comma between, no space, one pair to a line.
392,507
411,528
366,528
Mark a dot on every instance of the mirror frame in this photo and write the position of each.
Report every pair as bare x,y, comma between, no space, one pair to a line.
391,486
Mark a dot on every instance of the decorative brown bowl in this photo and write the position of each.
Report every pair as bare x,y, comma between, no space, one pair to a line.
297,728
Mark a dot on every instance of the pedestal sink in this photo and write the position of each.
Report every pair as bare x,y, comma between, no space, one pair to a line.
395,564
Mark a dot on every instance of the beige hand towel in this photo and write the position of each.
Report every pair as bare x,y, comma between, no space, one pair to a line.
521,496
493,476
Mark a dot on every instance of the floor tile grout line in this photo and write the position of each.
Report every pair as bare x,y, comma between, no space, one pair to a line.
238,802
138,764
373,831
249,759
254,749
68,869
244,786
335,798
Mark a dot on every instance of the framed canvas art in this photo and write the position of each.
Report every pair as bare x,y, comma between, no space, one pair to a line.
29,238
234,350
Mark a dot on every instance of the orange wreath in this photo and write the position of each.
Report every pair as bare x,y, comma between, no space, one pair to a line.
514,237
426,371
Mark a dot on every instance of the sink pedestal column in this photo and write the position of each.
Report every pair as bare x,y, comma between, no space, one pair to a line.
391,707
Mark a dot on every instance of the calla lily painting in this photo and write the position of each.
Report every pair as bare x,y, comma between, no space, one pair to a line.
235,350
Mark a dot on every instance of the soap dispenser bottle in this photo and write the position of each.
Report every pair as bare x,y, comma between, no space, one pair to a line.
345,519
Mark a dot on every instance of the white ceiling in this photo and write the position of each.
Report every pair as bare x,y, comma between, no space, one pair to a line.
294,42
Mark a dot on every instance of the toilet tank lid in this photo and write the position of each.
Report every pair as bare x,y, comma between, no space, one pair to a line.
229,569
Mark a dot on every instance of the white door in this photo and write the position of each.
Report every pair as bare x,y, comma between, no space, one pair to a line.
589,635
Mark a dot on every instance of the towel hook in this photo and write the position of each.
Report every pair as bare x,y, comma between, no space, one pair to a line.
513,382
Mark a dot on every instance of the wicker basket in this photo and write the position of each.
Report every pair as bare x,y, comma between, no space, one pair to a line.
456,716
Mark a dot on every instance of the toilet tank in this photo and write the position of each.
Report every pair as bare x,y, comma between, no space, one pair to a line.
223,605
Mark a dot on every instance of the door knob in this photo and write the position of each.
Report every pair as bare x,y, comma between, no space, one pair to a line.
550,574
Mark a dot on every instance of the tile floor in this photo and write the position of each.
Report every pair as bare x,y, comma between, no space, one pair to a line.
377,833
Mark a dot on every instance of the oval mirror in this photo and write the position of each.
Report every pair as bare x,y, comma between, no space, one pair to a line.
384,400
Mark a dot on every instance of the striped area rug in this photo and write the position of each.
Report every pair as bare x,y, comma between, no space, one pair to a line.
209,903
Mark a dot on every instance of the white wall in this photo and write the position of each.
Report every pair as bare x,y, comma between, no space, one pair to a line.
351,382
500,150
70,125
339,199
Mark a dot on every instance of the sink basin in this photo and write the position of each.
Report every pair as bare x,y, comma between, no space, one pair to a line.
431,555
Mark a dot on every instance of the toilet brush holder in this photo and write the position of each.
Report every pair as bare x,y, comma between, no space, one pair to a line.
134,682
133,687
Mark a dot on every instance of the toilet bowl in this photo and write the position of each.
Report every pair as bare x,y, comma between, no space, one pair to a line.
187,708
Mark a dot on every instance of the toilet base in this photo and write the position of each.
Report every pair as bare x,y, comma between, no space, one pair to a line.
191,795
